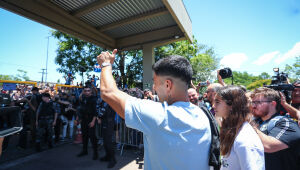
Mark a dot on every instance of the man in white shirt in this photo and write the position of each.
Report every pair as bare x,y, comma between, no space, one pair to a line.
177,134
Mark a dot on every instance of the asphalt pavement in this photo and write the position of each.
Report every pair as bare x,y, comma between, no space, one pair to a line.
64,157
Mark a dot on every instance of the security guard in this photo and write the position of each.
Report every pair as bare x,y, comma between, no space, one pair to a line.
88,115
45,120
107,121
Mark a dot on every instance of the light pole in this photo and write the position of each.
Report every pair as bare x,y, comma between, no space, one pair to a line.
47,60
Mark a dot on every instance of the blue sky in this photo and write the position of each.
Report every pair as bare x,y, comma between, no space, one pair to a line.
250,35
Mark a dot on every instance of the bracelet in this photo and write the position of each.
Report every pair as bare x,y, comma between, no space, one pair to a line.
105,64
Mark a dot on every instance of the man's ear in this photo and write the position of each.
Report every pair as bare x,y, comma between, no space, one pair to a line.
168,84
274,103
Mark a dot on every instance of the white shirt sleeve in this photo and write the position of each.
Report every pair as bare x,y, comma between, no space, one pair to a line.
250,158
144,115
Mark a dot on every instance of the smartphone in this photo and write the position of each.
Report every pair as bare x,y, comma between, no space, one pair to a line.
202,84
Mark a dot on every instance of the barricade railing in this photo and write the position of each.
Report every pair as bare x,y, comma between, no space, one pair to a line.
123,135
127,136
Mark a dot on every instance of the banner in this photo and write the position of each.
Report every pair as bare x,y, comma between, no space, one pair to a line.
97,68
9,86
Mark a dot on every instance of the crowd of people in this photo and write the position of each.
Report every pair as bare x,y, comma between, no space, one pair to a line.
179,134
226,127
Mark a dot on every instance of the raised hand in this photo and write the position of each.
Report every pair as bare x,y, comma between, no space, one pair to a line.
107,57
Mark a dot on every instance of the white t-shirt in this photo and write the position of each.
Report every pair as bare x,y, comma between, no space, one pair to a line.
175,137
247,151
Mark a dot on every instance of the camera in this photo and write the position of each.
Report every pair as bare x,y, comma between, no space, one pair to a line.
225,73
279,83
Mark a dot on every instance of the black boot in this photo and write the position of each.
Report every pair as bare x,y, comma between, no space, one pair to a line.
82,153
104,159
95,156
112,163
38,147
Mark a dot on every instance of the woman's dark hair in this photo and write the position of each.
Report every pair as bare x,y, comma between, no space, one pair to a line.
235,97
175,66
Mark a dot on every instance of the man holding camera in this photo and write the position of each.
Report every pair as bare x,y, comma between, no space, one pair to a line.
280,135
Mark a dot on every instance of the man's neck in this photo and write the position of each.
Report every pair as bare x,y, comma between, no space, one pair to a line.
268,116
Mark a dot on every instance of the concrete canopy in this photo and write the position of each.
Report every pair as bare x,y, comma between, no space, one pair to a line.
122,24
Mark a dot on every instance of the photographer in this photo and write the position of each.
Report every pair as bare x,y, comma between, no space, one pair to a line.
296,95
292,111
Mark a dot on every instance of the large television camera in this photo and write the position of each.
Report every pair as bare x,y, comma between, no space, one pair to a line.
280,83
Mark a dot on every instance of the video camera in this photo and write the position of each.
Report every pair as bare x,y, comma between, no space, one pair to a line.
279,83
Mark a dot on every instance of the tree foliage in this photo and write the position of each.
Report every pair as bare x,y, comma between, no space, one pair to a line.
22,75
73,53
202,58
293,70
259,83
9,77
248,80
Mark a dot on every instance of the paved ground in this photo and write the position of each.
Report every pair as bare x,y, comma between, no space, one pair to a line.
63,157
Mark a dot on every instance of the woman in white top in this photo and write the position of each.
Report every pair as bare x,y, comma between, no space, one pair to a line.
240,146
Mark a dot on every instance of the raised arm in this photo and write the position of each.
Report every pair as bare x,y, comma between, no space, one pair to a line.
109,91
290,109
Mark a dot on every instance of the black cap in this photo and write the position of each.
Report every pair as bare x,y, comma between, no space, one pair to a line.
46,95
35,89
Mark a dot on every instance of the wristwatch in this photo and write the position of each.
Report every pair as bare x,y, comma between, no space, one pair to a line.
105,64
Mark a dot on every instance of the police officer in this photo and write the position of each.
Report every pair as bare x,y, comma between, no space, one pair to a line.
108,115
88,115
45,120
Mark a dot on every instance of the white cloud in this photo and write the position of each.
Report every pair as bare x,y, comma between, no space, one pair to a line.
266,58
234,60
294,52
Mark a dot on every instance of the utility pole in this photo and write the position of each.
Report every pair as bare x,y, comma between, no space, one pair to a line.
43,72
47,59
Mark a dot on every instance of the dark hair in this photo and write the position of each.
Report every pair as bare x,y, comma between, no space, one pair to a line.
85,87
175,66
35,89
46,95
235,97
269,94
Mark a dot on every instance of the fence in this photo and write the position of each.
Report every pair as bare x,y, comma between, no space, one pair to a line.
124,135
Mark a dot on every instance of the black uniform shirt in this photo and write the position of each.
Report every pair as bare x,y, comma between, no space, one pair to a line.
287,131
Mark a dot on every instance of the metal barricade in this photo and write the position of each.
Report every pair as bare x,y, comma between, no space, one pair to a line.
127,136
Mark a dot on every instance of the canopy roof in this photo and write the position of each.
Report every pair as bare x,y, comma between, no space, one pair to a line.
122,24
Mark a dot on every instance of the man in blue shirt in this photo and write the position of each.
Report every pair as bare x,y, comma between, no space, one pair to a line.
177,133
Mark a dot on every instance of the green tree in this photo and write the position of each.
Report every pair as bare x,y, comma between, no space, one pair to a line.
242,78
73,53
22,75
202,58
293,70
258,83
264,75
9,77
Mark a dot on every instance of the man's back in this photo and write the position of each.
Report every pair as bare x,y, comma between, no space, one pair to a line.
176,136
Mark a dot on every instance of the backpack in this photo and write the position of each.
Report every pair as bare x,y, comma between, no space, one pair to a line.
214,150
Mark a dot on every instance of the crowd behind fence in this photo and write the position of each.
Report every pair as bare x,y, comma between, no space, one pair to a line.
124,136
